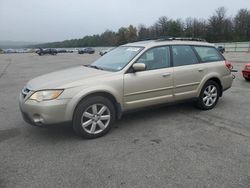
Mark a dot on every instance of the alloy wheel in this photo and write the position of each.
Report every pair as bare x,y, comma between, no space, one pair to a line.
95,118
210,95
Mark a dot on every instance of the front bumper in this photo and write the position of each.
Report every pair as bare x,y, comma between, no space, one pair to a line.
246,74
43,113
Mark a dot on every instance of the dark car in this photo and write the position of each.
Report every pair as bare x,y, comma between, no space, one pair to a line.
86,51
103,52
49,51
61,51
221,49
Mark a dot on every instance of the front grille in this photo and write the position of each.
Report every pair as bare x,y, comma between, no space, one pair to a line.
25,92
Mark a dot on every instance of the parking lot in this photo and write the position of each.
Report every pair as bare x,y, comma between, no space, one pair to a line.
170,146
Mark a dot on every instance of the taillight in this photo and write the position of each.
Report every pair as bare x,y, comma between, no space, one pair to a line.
229,65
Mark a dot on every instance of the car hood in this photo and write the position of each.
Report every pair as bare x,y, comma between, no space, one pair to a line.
62,79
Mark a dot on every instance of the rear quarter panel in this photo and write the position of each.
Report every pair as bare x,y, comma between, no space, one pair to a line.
216,70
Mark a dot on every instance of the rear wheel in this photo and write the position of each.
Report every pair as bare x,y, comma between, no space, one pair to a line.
94,117
209,95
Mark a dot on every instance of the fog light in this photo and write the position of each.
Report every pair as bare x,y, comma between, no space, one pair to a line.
38,119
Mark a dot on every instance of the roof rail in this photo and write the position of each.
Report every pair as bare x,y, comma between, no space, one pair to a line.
181,38
164,38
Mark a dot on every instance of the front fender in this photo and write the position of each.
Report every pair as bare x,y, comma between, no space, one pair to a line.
117,94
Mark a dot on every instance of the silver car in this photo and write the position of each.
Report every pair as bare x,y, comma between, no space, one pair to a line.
131,76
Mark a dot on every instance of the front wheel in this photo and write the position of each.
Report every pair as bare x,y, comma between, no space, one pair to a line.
94,117
247,79
209,95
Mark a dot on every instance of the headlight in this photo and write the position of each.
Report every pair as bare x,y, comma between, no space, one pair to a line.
248,67
45,95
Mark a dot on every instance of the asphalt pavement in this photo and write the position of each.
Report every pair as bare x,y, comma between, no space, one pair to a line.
170,146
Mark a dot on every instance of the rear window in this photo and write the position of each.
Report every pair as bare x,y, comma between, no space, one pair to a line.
208,54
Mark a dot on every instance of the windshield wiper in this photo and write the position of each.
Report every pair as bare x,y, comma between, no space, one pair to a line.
94,66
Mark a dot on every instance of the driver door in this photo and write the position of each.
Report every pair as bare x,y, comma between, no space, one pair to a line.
152,86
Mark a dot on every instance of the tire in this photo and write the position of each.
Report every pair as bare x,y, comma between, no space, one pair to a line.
93,117
247,79
209,95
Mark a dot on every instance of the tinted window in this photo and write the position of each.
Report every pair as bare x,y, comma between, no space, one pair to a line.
183,55
156,58
208,53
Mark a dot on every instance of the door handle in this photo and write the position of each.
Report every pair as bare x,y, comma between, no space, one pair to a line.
200,70
166,74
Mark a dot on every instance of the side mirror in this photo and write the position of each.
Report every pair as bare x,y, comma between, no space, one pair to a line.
139,67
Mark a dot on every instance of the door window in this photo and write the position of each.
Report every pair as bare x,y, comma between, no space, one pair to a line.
156,58
183,55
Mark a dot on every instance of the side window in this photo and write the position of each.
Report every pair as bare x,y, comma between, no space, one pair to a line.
208,53
156,58
183,55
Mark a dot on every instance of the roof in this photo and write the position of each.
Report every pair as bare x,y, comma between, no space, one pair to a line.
174,41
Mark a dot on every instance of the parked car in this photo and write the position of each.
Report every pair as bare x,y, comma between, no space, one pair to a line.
61,51
246,72
70,51
9,51
221,49
129,77
103,52
86,51
49,51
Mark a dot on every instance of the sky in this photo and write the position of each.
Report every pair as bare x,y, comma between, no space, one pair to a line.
57,20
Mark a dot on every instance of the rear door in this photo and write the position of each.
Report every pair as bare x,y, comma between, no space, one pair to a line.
188,72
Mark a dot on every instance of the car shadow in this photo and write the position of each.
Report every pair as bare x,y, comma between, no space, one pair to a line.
129,120
51,133
155,113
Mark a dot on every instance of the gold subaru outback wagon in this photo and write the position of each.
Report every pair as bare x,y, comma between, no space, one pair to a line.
131,76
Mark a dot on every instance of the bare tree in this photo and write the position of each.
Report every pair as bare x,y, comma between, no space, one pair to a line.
195,28
219,26
242,25
143,32
162,26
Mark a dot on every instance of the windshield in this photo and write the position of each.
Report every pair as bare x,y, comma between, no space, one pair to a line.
117,58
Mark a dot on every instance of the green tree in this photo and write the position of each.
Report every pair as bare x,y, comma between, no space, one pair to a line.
122,36
175,28
131,34
218,28
108,38
126,35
